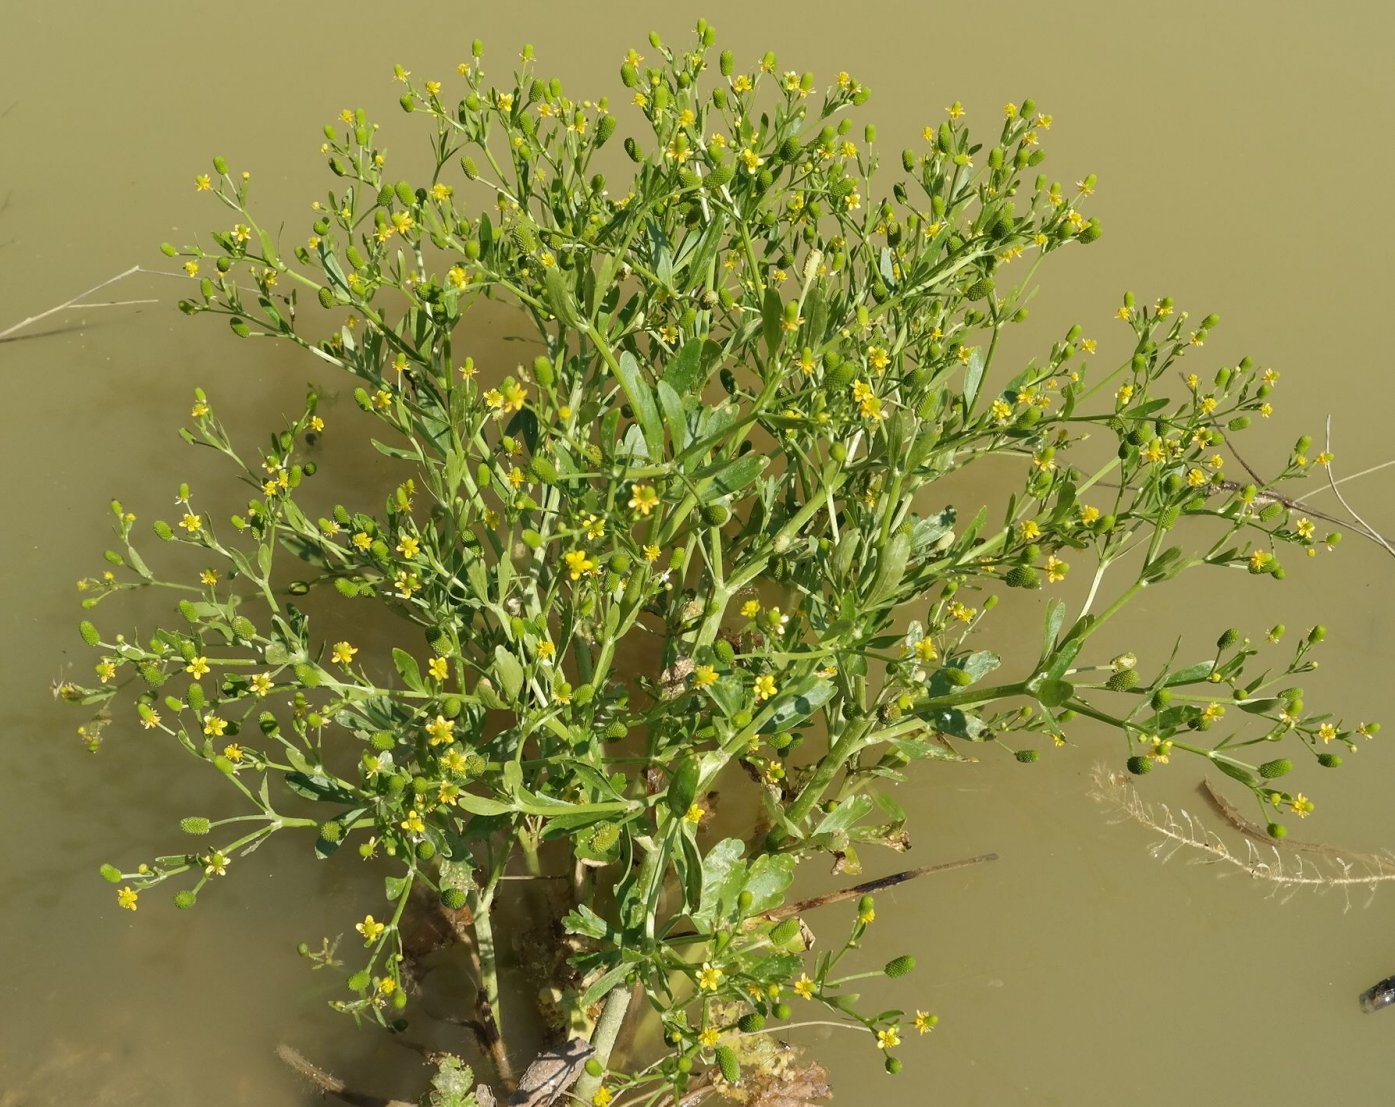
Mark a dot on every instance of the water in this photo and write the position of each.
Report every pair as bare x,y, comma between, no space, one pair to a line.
1241,154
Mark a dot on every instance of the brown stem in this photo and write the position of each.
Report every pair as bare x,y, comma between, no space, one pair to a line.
792,909
1231,814
330,1084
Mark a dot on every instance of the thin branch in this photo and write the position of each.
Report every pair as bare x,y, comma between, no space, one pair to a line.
791,909
1366,527
9,332
330,1084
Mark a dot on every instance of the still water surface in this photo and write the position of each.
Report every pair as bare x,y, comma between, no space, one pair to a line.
1242,161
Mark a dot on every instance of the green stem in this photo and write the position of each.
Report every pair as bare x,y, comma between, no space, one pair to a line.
617,1003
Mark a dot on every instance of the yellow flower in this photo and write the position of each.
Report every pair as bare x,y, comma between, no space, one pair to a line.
126,898
602,1097
438,667
878,358
709,1036
233,752
1327,732
192,523
804,987
209,577
693,814
709,977
925,1022
643,499
192,268
413,823
216,864
546,651
197,667
1028,530
370,928
1001,411
361,540
925,650
955,110
889,1038
1302,806
1055,569
241,232
765,687
214,726
593,527
704,675
343,653
260,684
578,563
1088,514
409,546
651,553
457,277
203,182
440,730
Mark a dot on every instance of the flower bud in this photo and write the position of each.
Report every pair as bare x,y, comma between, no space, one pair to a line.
892,1065
1277,830
111,874
1317,634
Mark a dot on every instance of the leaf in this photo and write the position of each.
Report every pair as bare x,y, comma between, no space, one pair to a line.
582,920
891,567
723,875
483,805
730,477
688,371
641,398
317,786
1055,616
769,878
772,314
602,987
675,414
509,671
796,705
408,669
1192,674
1053,693
973,378
849,811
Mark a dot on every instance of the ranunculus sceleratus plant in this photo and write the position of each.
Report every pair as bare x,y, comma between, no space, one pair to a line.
754,360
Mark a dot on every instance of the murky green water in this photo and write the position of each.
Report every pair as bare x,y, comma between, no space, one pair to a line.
1242,160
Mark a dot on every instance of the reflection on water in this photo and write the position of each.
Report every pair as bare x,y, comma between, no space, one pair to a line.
1074,970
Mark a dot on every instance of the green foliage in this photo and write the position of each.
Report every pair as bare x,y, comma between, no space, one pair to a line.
750,367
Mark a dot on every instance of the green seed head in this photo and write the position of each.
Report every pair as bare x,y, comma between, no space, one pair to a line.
751,1022
727,1062
1277,830
194,824
1139,765
111,874
1280,766
185,900
453,898
899,966
1027,757
1123,681
1329,760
